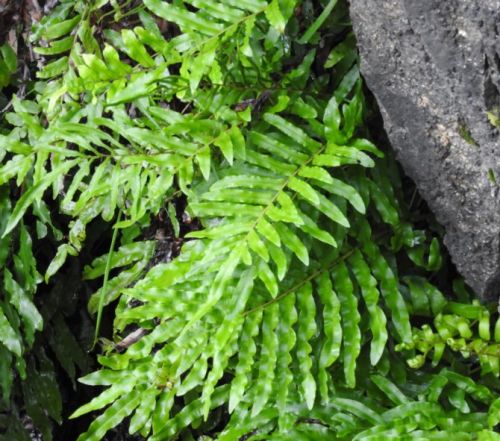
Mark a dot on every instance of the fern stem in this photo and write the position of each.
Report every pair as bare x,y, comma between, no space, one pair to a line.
301,283
318,22
105,282
282,189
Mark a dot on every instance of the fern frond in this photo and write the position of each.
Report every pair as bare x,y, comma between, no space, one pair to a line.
394,415
280,183
457,327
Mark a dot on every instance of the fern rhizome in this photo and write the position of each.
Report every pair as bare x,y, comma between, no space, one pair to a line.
289,311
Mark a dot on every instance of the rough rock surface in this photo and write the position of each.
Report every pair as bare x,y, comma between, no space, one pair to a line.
434,68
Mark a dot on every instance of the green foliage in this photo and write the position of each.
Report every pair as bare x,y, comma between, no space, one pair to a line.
282,314
464,328
8,65
19,318
23,352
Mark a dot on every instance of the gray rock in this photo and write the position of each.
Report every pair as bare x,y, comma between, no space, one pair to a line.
434,68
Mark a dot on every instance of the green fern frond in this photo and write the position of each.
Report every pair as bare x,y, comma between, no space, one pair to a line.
280,192
463,328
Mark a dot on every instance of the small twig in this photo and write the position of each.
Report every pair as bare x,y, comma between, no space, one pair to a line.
412,199
185,109
49,6
130,339
37,8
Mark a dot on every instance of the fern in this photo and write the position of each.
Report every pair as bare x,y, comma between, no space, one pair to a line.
23,350
100,153
464,328
285,306
19,318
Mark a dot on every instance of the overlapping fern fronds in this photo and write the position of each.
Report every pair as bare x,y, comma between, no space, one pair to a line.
284,308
